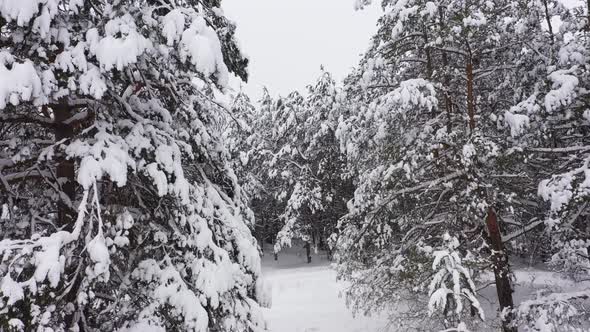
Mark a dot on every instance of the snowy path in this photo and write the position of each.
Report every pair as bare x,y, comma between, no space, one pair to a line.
306,299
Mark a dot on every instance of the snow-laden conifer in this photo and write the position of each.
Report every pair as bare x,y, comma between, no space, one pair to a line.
119,208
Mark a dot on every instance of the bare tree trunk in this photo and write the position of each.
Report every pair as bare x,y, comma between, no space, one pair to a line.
276,254
501,272
66,174
548,21
260,233
428,56
448,101
470,101
65,171
308,251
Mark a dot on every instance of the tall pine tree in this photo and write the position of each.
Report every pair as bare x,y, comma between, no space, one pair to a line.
119,208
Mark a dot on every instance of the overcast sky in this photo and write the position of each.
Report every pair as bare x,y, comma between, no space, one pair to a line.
288,40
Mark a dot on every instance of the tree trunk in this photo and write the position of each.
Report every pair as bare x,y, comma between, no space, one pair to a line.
308,251
259,229
65,171
428,56
501,272
548,21
470,101
66,174
448,101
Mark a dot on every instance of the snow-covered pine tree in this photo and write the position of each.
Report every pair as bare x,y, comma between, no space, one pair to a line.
244,134
253,136
297,184
119,208
320,187
549,128
426,136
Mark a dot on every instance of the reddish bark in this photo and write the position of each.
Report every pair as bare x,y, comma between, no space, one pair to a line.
501,271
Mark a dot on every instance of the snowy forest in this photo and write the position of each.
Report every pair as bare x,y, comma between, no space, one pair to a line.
443,184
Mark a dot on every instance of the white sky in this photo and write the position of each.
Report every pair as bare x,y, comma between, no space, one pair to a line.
288,40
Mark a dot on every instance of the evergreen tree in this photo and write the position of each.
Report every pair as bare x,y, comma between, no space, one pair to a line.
549,127
429,111
321,188
297,185
120,210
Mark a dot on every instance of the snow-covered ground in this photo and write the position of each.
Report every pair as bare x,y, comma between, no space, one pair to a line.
306,297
